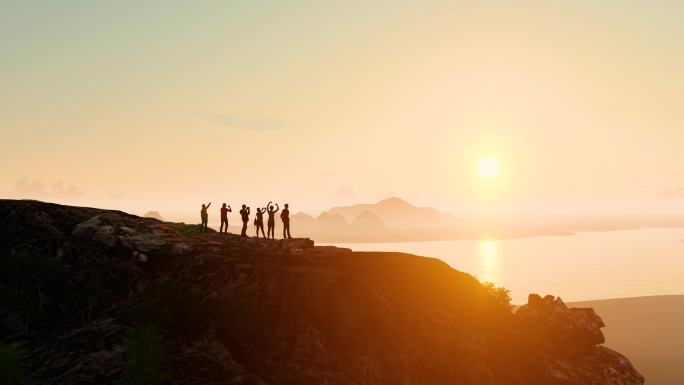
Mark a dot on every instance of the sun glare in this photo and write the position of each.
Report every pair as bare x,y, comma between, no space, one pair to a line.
489,260
488,167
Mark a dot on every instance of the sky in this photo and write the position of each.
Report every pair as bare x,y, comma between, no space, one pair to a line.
164,105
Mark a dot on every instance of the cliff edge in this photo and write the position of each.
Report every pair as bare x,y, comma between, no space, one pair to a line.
80,286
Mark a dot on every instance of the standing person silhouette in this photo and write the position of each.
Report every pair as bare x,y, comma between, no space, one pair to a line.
259,221
271,219
285,216
245,219
205,217
224,217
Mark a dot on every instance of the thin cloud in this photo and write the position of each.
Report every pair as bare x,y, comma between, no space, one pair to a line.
37,189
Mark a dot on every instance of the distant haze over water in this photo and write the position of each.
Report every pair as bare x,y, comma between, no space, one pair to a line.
594,265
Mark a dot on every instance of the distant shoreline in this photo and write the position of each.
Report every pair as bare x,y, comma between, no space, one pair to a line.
327,241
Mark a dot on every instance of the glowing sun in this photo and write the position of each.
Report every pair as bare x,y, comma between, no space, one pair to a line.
488,167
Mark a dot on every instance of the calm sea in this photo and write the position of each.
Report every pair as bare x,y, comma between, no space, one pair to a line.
586,266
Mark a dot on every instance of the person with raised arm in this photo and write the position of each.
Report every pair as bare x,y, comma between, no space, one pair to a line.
271,219
205,217
259,221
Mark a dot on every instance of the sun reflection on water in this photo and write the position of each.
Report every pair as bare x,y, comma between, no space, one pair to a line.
489,261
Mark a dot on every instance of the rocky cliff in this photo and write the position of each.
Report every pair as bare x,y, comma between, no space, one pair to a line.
77,284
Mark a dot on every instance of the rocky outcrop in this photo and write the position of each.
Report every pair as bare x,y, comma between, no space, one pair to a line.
569,339
74,282
560,327
114,229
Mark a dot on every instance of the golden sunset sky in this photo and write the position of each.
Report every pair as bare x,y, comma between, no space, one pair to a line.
164,105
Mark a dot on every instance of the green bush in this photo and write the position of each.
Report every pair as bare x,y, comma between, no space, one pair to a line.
146,354
500,295
11,371
189,230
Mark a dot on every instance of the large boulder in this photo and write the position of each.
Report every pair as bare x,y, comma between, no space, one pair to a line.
560,327
113,229
597,366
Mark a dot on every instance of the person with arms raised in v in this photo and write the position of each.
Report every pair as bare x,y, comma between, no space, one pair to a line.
271,219
259,221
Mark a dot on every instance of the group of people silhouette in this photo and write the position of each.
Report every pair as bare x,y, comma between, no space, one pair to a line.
258,221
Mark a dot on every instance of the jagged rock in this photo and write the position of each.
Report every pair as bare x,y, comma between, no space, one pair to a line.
105,234
596,367
548,299
147,242
88,228
559,304
111,229
562,327
534,299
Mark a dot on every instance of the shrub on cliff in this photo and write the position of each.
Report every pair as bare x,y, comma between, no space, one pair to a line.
501,295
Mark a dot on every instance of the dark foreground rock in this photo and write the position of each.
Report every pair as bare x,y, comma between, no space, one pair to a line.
77,284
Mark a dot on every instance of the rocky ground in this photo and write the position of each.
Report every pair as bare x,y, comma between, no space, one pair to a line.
91,296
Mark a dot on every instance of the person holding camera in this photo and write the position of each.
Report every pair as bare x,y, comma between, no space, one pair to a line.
245,219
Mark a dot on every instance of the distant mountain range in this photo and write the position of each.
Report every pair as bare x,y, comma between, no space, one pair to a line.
388,220
396,220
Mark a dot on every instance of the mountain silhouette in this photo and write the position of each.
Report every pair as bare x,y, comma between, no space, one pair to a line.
388,220
398,214
369,221
154,214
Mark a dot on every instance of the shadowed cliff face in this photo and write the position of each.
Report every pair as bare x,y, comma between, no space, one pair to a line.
74,282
